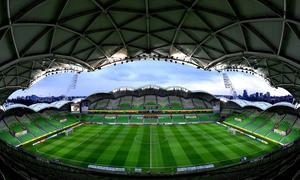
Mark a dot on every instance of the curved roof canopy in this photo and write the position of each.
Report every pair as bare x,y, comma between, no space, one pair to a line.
148,90
39,37
286,104
14,106
258,104
169,88
40,106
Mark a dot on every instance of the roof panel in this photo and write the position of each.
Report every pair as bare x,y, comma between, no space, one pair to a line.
244,103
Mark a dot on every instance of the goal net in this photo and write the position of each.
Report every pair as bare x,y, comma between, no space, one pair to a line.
68,131
232,130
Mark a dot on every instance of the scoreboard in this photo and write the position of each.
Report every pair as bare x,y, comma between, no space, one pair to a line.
75,108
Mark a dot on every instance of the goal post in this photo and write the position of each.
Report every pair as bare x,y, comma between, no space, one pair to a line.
68,131
232,130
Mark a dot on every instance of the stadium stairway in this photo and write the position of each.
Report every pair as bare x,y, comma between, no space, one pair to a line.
15,126
270,125
12,124
6,135
31,127
36,123
287,122
259,121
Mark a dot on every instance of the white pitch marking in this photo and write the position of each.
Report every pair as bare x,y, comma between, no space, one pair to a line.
150,147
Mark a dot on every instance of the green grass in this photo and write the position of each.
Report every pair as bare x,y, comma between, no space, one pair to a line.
156,149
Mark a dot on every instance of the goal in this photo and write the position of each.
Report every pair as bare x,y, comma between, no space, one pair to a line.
232,130
68,131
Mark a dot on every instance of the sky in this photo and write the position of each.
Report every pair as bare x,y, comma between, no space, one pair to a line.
141,73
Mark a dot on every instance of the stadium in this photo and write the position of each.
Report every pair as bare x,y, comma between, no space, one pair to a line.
151,131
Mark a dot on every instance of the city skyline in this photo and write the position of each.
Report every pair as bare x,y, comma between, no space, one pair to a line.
257,96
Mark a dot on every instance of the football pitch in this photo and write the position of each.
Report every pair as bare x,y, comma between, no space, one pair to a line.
155,149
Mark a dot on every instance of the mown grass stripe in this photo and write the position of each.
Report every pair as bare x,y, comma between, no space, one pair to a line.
81,146
212,148
238,143
134,151
171,146
200,146
189,150
251,144
178,152
110,151
225,140
55,144
144,155
100,147
157,160
167,154
123,151
217,143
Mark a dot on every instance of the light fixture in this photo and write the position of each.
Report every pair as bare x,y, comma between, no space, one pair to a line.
177,54
119,55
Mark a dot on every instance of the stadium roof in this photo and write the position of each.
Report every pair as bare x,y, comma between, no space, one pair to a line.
59,104
258,104
169,88
14,106
39,37
287,104
40,106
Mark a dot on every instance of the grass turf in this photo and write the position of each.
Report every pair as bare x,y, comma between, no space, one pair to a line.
159,149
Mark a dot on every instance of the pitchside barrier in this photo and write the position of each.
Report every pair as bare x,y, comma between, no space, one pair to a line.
140,170
147,123
67,132
162,111
52,133
195,168
27,164
234,131
105,168
250,134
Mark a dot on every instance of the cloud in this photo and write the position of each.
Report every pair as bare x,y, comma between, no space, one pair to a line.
142,73
253,84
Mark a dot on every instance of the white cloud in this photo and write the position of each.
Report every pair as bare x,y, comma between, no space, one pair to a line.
148,72
253,83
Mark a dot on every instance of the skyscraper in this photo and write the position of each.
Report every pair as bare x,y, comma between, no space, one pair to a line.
245,94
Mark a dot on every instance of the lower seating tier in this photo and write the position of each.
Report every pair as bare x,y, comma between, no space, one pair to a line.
36,125
279,128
